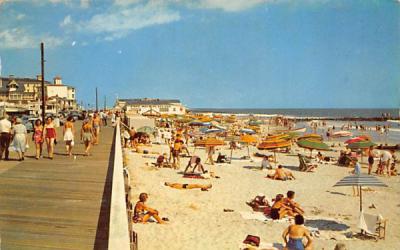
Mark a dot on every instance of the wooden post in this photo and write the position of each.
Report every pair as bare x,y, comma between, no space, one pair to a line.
42,68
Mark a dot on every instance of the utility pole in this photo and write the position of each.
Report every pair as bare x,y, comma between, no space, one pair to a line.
43,97
97,101
105,103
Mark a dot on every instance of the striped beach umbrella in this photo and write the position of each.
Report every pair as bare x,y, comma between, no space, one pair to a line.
359,181
247,131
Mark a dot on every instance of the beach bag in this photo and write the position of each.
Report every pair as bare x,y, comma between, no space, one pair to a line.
252,240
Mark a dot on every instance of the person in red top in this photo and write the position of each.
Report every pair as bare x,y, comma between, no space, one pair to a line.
50,136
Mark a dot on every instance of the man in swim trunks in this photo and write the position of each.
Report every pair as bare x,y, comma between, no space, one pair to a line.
289,201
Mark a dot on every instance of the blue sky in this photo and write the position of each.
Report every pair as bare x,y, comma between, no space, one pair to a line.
212,53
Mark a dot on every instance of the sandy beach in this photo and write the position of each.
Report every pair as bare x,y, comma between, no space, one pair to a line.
197,219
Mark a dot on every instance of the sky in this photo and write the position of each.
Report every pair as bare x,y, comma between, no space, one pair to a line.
211,53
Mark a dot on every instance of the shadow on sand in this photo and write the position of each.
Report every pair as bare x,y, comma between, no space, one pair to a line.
330,225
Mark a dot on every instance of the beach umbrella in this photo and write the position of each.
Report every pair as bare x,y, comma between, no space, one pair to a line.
359,181
312,137
248,139
247,131
145,129
209,142
274,145
311,145
361,145
212,130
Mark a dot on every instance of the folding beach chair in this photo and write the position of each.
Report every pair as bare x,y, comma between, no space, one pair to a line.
372,225
305,167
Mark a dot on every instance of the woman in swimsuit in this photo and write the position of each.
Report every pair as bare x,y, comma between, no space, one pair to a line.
279,209
296,234
370,159
50,136
37,137
188,186
87,135
143,213
69,131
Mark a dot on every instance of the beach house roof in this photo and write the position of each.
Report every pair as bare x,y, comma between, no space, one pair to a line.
148,101
17,81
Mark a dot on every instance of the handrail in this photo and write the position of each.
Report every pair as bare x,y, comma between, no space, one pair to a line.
118,238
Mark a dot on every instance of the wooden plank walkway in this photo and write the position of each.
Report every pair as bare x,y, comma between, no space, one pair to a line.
58,204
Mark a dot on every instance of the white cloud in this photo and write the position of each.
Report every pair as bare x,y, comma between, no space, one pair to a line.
18,38
67,21
73,43
85,4
119,22
20,16
228,5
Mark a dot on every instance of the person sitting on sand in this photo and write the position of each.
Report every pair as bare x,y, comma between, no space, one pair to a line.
188,186
282,174
279,209
221,158
296,234
289,201
265,163
320,157
393,170
259,203
161,161
143,213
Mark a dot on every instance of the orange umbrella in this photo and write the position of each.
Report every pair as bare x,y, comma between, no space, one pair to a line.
248,139
209,142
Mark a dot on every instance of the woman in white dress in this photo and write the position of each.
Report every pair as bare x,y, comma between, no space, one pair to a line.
69,132
19,139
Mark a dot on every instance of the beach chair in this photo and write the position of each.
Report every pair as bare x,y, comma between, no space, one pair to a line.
372,225
304,166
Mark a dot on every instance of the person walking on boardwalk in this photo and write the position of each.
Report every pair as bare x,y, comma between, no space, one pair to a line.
37,138
96,128
69,131
5,135
50,136
87,135
19,138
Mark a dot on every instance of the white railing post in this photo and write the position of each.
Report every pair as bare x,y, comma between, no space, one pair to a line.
118,238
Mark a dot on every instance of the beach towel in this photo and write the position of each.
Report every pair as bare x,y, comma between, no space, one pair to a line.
262,246
260,217
193,176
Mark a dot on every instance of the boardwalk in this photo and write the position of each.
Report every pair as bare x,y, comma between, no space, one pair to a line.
57,204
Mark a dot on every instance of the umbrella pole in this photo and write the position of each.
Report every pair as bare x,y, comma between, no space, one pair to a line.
230,159
248,151
360,199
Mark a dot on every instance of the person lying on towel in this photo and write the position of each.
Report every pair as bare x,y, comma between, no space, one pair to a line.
188,186
259,203
143,213
282,174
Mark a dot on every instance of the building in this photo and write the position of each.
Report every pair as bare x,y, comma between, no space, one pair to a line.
27,92
154,106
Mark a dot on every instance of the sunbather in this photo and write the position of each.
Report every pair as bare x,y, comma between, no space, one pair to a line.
281,174
289,201
259,203
143,213
161,161
188,186
221,158
279,209
296,234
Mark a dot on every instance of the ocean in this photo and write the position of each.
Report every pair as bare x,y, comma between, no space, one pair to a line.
317,113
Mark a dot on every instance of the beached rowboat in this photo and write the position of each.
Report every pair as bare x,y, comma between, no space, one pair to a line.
342,134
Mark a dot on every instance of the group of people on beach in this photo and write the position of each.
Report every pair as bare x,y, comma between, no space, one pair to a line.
14,135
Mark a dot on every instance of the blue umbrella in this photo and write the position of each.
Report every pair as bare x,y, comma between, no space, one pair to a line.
247,131
213,130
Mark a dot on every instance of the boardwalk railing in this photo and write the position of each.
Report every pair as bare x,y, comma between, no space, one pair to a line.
119,238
